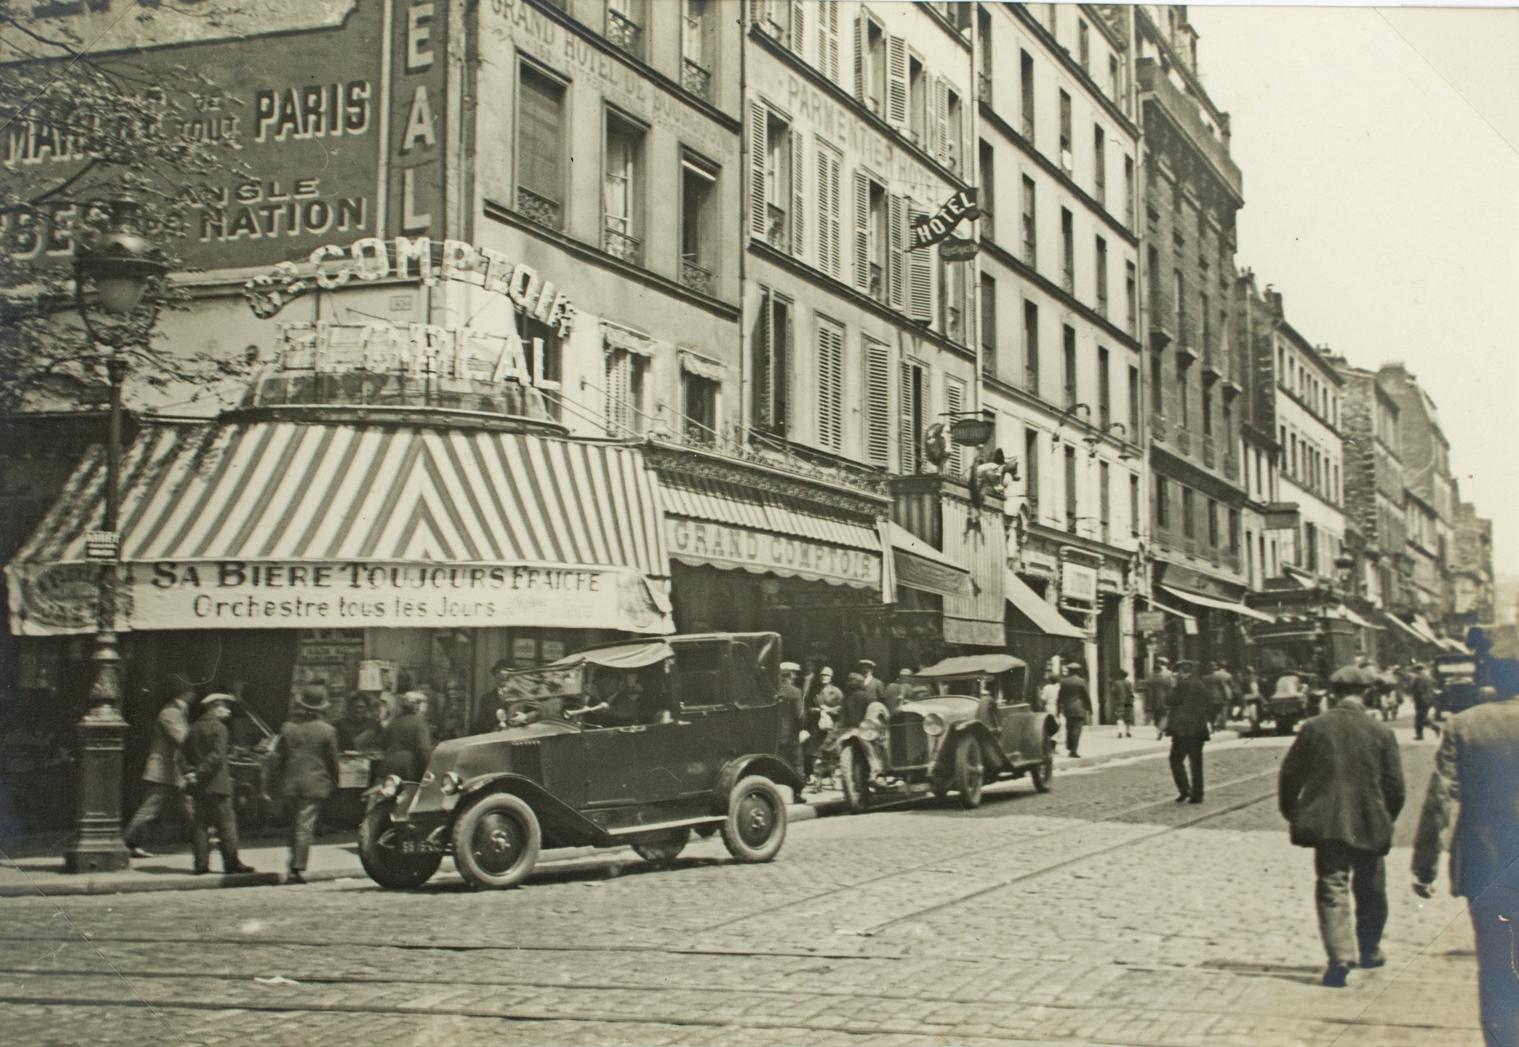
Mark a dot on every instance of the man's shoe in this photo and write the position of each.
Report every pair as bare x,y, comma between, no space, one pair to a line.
1194,799
239,867
1335,975
1375,958
138,852
1182,798
294,876
199,870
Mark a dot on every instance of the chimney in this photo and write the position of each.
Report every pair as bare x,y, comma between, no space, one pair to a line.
1273,302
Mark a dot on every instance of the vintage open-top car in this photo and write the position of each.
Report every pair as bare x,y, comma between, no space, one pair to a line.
962,726
635,743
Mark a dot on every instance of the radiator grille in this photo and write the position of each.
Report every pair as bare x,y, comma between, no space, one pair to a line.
908,743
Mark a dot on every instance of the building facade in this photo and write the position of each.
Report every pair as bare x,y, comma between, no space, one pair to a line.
1374,484
1471,570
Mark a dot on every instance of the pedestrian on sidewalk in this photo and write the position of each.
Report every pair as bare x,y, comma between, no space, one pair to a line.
1423,688
1221,686
1188,724
1158,690
1341,789
163,772
1121,695
406,742
792,717
1475,785
1049,694
1075,704
306,764
208,783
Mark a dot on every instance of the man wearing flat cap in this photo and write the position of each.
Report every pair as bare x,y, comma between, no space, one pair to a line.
306,758
209,784
875,690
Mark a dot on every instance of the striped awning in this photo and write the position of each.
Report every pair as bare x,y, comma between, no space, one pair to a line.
723,502
465,527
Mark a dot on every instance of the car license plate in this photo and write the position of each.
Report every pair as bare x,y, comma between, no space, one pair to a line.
418,847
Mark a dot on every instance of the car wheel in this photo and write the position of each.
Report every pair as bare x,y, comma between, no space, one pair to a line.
1043,775
756,823
386,866
496,841
1285,726
970,775
854,769
663,847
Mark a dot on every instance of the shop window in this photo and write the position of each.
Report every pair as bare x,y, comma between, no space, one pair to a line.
772,364
625,374
699,396
622,189
698,223
914,386
540,147
877,404
830,385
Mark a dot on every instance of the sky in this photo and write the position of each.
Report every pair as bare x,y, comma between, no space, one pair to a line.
1380,150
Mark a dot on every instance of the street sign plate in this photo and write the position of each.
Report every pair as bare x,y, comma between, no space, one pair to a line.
1150,621
100,545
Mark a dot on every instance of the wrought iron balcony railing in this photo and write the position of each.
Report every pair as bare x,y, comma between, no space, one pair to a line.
625,33
696,79
777,228
539,208
695,276
622,244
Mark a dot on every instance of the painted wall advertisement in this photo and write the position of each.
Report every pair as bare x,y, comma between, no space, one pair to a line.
337,105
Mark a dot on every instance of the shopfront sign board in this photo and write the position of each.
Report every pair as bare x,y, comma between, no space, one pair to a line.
101,545
1077,583
731,546
1150,621
928,230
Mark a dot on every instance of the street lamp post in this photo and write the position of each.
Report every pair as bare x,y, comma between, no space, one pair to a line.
112,275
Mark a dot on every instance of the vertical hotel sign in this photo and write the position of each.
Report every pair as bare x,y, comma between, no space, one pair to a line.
338,106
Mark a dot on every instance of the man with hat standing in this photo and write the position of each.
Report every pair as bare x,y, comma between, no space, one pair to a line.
899,690
875,690
162,771
789,745
1423,687
209,785
1341,788
1158,690
306,761
1188,723
1074,702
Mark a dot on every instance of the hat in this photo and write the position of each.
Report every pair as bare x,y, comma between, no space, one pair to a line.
211,699
790,667
866,662
313,698
904,671
412,699
826,671
1162,660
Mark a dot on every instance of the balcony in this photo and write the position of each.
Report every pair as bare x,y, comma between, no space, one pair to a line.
1208,453
695,276
1211,370
1186,356
622,244
1157,427
539,209
1183,440
777,229
696,79
1231,467
1187,114
625,33
984,87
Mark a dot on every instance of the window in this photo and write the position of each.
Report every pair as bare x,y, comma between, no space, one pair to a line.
951,298
1184,393
1207,321
1030,229
1234,532
698,48
984,75
1158,386
914,386
878,236
1128,191
1031,468
1162,503
1311,546
1071,502
776,180
829,205
1100,165
828,41
1133,433
698,232
1181,308
1031,347
877,404
1207,410
1212,524
830,383
988,198
988,320
783,21
1188,524
545,361
1068,368
953,127
1102,276
1068,250
1026,92
1131,297
1084,44
917,102
540,148
625,372
625,22
1115,83
1067,161
1104,390
870,64
772,364
700,395
622,189
1104,498
1134,505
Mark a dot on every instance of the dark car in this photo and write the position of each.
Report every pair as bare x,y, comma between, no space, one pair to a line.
962,726
636,743
1456,682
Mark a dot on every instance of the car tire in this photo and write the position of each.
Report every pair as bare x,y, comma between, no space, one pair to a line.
970,771
384,866
1285,727
662,848
496,841
854,772
756,824
1043,775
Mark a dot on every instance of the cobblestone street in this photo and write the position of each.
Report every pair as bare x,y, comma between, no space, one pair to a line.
1101,913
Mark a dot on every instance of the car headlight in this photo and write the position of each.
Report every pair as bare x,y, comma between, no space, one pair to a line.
933,725
390,786
451,784
869,731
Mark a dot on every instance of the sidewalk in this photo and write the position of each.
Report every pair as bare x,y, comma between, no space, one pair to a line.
336,857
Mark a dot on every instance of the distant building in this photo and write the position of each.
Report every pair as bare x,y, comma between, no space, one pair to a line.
1473,595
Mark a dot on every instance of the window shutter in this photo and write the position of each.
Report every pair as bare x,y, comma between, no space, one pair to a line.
759,150
780,362
877,404
861,232
861,35
798,192
941,146
830,386
764,393
619,392
828,39
896,80
759,10
828,211
797,38
896,248
910,411
920,293
954,403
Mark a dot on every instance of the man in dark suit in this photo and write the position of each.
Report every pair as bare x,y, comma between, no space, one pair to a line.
1341,788
1475,783
1074,702
1158,689
407,740
1423,687
495,705
306,761
165,781
209,784
1187,722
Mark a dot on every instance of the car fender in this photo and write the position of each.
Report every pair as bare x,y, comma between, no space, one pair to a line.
766,764
944,763
552,812
872,752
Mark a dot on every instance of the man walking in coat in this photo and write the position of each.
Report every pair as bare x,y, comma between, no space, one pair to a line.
307,765
1423,687
162,773
1075,704
1187,722
209,785
1121,696
1341,788
1475,784
792,717
1158,695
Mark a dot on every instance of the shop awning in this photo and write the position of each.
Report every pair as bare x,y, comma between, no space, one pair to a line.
716,523
920,566
288,525
1347,615
1425,631
1217,604
1032,606
1403,627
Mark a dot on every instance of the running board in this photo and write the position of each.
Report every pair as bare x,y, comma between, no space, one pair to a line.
683,823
